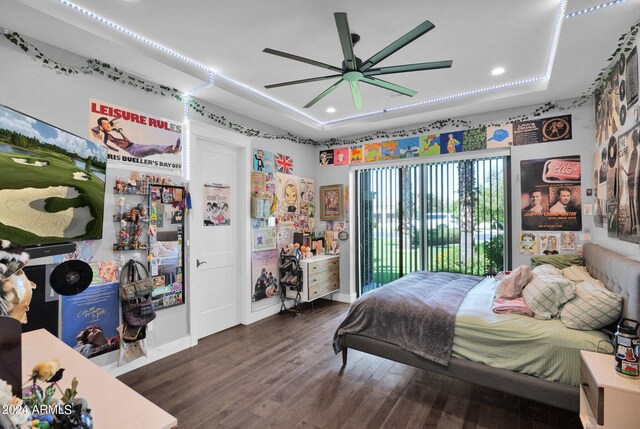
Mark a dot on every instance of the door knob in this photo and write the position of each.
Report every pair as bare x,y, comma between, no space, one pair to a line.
198,263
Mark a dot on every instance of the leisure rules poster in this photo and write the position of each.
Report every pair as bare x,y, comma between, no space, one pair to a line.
136,140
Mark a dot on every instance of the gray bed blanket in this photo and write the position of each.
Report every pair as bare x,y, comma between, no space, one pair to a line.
416,312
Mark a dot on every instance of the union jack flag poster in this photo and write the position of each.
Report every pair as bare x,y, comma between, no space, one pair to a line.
284,163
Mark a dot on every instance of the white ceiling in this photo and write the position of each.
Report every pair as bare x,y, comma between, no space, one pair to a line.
228,38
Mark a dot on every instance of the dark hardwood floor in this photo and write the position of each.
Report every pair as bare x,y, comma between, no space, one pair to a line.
281,372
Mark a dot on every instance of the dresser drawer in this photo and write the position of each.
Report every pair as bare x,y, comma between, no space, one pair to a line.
323,289
326,265
323,277
594,393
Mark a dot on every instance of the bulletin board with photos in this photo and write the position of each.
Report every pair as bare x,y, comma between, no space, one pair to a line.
166,244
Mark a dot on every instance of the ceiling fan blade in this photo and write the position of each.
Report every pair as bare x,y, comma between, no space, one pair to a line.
302,59
355,94
345,40
396,45
409,68
388,85
324,93
295,82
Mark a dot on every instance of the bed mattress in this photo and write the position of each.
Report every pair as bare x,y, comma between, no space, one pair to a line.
542,348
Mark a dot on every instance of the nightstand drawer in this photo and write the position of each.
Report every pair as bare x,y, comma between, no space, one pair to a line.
319,266
594,393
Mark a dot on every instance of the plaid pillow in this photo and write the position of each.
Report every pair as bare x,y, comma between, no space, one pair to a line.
545,294
593,307
577,274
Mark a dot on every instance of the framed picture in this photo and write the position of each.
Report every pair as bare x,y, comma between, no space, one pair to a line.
331,202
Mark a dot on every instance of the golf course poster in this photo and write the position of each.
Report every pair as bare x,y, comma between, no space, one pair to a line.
53,182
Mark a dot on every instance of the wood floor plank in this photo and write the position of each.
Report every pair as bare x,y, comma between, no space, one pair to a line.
282,372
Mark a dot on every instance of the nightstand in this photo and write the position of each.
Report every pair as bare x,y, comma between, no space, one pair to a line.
607,399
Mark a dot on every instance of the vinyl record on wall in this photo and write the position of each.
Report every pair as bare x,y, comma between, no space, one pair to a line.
612,151
621,64
623,114
71,277
622,90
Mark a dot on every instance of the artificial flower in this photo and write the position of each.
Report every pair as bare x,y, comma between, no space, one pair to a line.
44,371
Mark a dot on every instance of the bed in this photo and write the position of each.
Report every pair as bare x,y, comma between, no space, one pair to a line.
618,273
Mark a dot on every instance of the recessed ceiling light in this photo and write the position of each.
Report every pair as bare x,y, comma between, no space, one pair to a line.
331,110
497,71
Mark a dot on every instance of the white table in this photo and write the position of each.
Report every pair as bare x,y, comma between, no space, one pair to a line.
113,404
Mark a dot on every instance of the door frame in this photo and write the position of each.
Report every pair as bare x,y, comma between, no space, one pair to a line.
200,133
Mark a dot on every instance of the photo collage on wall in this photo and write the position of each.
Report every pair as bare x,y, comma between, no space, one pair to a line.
615,166
518,133
289,201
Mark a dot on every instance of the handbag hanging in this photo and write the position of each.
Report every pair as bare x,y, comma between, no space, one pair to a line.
135,294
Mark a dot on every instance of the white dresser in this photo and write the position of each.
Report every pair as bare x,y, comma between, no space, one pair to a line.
320,277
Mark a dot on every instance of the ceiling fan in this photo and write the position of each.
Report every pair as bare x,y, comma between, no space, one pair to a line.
354,70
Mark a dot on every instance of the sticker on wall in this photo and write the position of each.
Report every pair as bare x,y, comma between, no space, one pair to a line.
451,142
288,193
600,168
549,243
263,239
262,160
569,240
355,154
372,152
326,158
390,150
430,145
528,243
409,147
341,156
136,140
284,164
217,204
258,180
500,136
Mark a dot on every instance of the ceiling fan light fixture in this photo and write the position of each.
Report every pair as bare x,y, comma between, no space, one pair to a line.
498,71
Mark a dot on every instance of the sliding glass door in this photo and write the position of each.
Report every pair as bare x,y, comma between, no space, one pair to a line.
442,216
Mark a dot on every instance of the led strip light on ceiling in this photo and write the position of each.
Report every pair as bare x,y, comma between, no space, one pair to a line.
560,16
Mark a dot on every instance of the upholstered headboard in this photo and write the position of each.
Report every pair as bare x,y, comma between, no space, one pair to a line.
619,274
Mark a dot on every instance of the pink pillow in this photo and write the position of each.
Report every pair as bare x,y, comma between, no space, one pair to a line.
511,286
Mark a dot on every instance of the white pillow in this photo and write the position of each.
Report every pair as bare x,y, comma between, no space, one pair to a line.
545,294
547,269
594,307
577,274
511,286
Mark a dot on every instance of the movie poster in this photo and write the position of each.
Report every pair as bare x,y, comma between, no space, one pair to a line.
551,194
355,154
90,319
607,105
136,140
451,142
628,185
288,193
409,147
390,150
372,152
264,274
326,158
217,204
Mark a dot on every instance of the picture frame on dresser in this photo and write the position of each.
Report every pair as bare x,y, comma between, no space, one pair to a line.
332,202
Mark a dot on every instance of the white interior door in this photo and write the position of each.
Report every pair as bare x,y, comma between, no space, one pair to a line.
215,253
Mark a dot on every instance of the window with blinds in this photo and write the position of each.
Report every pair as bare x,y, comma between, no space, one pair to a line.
441,216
